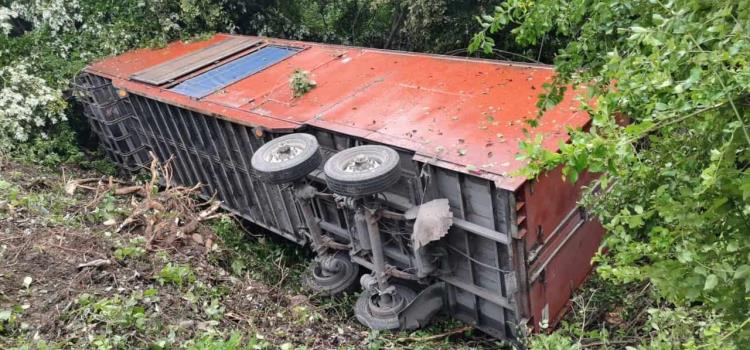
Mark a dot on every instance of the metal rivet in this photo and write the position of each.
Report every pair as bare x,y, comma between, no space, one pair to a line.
258,132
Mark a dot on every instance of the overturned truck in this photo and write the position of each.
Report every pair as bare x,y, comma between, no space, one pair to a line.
397,169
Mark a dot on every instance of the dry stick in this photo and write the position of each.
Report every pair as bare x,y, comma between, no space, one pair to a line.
128,190
94,201
95,263
435,336
643,310
76,250
284,273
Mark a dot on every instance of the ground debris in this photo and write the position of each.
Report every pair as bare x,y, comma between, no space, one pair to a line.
166,216
140,265
94,263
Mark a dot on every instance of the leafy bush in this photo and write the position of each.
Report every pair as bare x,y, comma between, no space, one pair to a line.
678,177
27,103
46,42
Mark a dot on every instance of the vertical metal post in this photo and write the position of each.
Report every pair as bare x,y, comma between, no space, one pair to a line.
305,193
377,254
362,230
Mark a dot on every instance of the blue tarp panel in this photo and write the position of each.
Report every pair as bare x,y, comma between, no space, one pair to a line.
208,82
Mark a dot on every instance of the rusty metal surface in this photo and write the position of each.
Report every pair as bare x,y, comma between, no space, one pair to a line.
175,68
466,115
565,271
559,241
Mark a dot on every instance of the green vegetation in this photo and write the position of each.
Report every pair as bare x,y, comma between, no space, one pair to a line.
176,274
300,83
678,202
133,250
160,294
678,177
261,258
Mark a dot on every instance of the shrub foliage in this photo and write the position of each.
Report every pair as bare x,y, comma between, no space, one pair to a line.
678,205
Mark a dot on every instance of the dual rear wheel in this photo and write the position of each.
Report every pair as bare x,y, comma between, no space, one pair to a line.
354,172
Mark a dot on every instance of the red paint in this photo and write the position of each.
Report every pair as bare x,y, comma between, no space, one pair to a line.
463,114
559,244
566,271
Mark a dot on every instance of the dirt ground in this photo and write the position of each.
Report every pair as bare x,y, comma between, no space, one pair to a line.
75,274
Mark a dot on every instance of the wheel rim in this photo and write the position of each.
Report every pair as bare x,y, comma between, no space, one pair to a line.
329,270
284,152
361,163
380,309
332,276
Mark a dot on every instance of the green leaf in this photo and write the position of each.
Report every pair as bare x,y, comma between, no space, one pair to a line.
743,271
685,256
711,282
745,188
638,209
732,247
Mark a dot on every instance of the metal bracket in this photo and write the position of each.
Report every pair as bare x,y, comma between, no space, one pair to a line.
427,304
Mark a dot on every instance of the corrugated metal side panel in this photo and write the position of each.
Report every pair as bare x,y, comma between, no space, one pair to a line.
482,281
216,153
113,120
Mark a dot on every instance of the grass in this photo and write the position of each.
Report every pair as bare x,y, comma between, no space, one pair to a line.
245,294
263,258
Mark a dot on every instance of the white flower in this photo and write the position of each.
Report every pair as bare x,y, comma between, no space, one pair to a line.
58,15
6,15
27,103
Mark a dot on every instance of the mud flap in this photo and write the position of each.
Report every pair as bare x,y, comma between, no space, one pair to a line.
426,305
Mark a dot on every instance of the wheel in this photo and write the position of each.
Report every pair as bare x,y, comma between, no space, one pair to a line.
286,158
332,276
363,170
382,316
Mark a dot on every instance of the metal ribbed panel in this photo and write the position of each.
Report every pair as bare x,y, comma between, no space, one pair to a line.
480,252
216,153
113,120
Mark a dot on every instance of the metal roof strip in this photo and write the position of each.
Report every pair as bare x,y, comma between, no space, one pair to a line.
210,81
173,69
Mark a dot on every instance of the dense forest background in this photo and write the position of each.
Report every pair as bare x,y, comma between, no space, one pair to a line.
678,204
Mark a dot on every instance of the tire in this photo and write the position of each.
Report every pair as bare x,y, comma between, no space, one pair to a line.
363,170
382,320
335,283
287,158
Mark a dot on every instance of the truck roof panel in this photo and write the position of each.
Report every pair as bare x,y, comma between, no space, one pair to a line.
460,113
